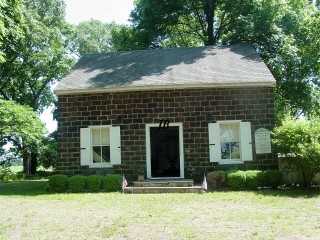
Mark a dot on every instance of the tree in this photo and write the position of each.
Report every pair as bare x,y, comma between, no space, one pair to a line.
96,37
35,55
20,126
125,38
11,21
286,36
91,36
47,151
298,141
284,33
203,21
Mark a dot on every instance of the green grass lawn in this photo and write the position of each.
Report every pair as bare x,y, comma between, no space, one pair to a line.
27,211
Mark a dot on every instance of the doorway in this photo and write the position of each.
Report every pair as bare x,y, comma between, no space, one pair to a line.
165,151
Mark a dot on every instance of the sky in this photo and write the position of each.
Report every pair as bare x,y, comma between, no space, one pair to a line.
83,10
103,10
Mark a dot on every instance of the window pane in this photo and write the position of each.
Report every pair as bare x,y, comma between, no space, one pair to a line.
96,154
105,154
96,137
105,136
229,132
100,145
235,150
225,150
224,133
230,140
234,132
101,154
230,150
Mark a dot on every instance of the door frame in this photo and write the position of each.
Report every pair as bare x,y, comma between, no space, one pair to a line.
148,147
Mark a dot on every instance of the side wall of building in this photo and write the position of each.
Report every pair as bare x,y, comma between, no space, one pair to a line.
195,108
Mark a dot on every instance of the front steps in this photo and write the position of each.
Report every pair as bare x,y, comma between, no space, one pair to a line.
164,186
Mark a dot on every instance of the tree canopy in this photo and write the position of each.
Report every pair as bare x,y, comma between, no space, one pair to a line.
11,20
34,51
34,56
126,38
20,126
91,36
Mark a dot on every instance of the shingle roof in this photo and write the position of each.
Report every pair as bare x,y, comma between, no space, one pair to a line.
235,65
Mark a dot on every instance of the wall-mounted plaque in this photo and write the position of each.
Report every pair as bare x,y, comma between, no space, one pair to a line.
263,142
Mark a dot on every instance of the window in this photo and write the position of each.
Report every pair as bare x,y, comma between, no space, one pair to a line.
230,142
100,146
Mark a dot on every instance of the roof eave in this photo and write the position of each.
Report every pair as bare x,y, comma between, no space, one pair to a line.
162,87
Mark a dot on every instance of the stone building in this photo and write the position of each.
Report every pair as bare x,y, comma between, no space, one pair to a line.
166,113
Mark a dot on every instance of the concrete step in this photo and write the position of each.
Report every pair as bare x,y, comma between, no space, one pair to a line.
193,189
164,186
164,183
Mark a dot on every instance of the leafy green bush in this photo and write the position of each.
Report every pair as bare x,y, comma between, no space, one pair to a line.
7,175
273,178
20,175
58,183
76,183
112,182
236,180
20,122
47,152
44,174
94,183
255,179
298,141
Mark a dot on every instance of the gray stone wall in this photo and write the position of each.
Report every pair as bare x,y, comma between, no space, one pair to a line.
195,108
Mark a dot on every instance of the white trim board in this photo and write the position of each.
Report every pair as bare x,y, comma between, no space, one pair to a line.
113,89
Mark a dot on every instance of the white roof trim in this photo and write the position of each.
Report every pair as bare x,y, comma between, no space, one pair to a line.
162,87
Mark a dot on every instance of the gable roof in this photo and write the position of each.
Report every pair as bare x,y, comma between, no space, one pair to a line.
195,67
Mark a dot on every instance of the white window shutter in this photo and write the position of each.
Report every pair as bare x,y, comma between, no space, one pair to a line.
214,142
115,145
85,146
246,142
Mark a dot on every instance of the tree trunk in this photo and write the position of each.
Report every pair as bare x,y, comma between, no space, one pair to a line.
26,163
30,163
33,163
209,9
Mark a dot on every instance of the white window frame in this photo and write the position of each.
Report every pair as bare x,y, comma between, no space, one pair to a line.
215,142
86,147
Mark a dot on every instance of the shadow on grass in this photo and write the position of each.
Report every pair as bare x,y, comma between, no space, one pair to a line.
291,192
24,188
38,187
